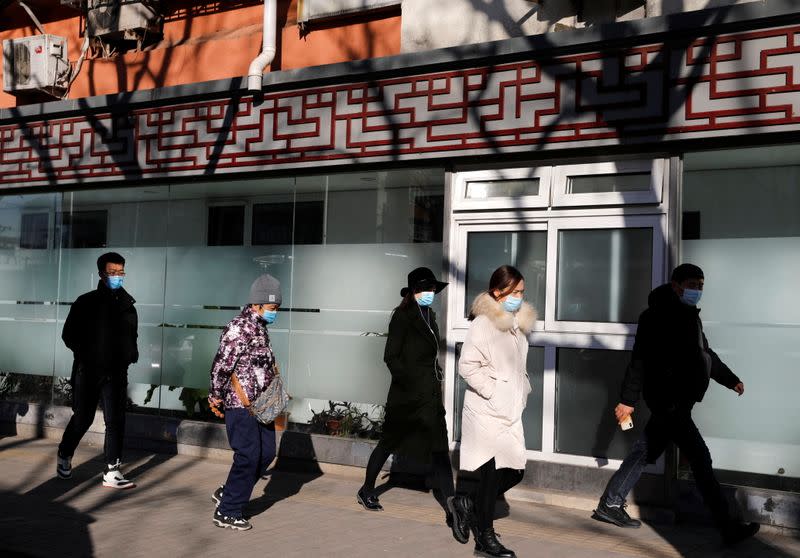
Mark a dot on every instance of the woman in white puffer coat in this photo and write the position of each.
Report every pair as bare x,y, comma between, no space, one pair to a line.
492,363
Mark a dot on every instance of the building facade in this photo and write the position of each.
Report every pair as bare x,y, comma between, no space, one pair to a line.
594,150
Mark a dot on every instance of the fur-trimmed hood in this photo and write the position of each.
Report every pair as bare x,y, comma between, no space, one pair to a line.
485,305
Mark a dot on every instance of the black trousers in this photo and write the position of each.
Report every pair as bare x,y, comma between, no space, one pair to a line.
442,469
89,388
493,483
676,425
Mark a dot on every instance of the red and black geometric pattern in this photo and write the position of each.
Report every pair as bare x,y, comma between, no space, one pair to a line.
746,82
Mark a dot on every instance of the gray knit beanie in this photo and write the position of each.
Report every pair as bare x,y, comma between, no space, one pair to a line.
265,290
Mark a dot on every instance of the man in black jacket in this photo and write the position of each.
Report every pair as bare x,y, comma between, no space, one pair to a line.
671,367
101,332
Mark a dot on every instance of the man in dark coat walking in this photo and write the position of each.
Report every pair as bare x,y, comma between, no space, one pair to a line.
101,332
671,367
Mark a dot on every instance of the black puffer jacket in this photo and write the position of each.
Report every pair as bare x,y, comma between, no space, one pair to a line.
671,362
101,330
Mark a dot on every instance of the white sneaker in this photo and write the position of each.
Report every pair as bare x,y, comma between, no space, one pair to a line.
113,478
63,466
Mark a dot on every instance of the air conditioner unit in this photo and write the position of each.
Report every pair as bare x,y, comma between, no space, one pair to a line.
38,62
123,20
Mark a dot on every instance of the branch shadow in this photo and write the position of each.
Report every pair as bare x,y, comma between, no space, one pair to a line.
296,465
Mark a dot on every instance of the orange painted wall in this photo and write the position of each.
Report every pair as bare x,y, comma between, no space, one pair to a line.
203,47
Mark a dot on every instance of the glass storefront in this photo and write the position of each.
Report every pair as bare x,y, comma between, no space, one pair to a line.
341,245
741,225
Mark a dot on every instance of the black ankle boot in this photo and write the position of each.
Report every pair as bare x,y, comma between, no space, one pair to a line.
459,510
486,544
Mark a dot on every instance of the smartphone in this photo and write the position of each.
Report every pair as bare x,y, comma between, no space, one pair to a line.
626,423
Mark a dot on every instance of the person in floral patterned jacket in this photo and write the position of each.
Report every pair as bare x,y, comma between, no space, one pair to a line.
244,348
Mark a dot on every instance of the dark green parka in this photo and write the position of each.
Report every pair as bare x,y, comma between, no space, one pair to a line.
414,423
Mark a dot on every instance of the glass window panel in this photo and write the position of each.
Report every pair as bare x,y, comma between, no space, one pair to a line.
328,239
461,389
531,417
600,183
273,223
83,229
278,223
226,225
28,296
587,390
527,251
196,311
379,226
748,244
483,189
136,228
428,217
604,275
35,231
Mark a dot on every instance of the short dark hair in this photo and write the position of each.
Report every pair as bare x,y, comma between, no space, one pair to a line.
109,257
686,271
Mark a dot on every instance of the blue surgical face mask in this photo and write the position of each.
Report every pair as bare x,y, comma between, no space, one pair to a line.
269,315
691,296
512,304
426,299
114,282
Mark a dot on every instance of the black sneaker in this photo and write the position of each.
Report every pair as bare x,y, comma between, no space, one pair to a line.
369,501
235,523
615,515
737,532
63,466
216,496
460,509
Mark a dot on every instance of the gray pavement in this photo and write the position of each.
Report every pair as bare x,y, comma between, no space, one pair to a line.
169,514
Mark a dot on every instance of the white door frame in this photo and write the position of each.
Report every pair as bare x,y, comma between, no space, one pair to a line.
510,215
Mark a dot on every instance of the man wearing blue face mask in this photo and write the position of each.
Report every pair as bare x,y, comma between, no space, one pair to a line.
101,332
671,367
245,349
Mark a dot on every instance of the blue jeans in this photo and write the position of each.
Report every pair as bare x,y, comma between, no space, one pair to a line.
253,446
627,475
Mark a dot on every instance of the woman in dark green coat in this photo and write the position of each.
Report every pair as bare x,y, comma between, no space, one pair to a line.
414,425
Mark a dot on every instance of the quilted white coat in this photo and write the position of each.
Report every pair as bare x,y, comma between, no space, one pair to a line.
492,363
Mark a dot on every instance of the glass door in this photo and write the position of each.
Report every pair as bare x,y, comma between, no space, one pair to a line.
588,270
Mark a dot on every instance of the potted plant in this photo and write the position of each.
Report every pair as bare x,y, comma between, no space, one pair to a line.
327,421
346,419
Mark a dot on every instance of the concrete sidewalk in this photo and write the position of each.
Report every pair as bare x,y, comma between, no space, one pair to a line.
293,514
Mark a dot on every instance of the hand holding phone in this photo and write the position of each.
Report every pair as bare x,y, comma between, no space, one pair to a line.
626,423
